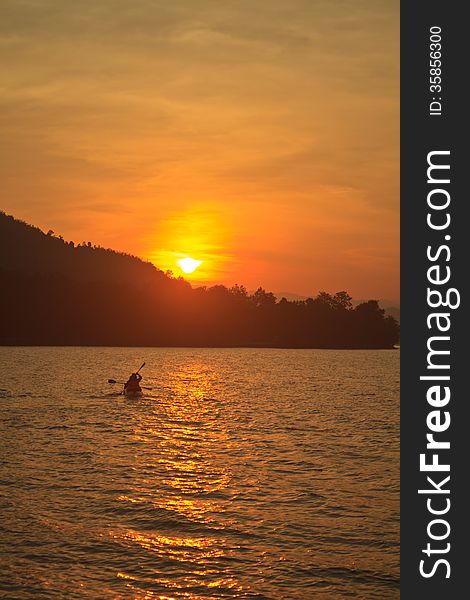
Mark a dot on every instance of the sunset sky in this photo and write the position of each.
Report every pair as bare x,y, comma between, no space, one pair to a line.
260,137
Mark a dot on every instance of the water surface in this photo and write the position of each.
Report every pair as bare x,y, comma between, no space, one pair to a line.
242,473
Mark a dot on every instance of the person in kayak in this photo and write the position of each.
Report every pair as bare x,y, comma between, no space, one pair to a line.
132,384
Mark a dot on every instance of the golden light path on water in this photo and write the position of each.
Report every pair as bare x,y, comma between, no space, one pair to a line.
189,432
242,473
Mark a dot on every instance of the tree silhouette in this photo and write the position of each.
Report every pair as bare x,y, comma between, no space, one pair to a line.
57,292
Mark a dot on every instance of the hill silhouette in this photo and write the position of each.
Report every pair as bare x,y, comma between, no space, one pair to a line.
58,293
27,249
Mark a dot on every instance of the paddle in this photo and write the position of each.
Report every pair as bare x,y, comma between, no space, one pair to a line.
144,387
122,382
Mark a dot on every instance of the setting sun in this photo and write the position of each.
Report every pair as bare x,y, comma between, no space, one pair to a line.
189,265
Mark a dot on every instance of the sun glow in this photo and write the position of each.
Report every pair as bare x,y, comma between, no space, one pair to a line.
198,231
189,265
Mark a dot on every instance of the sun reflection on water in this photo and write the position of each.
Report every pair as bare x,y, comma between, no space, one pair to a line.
240,474
180,482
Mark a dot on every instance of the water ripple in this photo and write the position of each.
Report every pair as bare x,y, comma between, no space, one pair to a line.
254,474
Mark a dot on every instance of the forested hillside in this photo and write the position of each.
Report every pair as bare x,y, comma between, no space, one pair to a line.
55,292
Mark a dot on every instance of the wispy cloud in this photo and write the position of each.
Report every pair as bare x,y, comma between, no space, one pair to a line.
139,108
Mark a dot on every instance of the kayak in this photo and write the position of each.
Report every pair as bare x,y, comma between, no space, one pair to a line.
134,391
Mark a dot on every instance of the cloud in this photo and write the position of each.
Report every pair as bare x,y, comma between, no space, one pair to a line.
117,109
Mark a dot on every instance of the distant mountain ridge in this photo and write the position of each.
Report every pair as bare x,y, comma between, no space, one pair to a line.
59,293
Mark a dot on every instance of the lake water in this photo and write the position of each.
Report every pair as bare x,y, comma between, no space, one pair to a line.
242,473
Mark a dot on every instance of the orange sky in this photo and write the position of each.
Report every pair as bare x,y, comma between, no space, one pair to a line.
261,137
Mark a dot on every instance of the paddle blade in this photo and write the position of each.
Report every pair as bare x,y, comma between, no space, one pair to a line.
112,381
142,366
